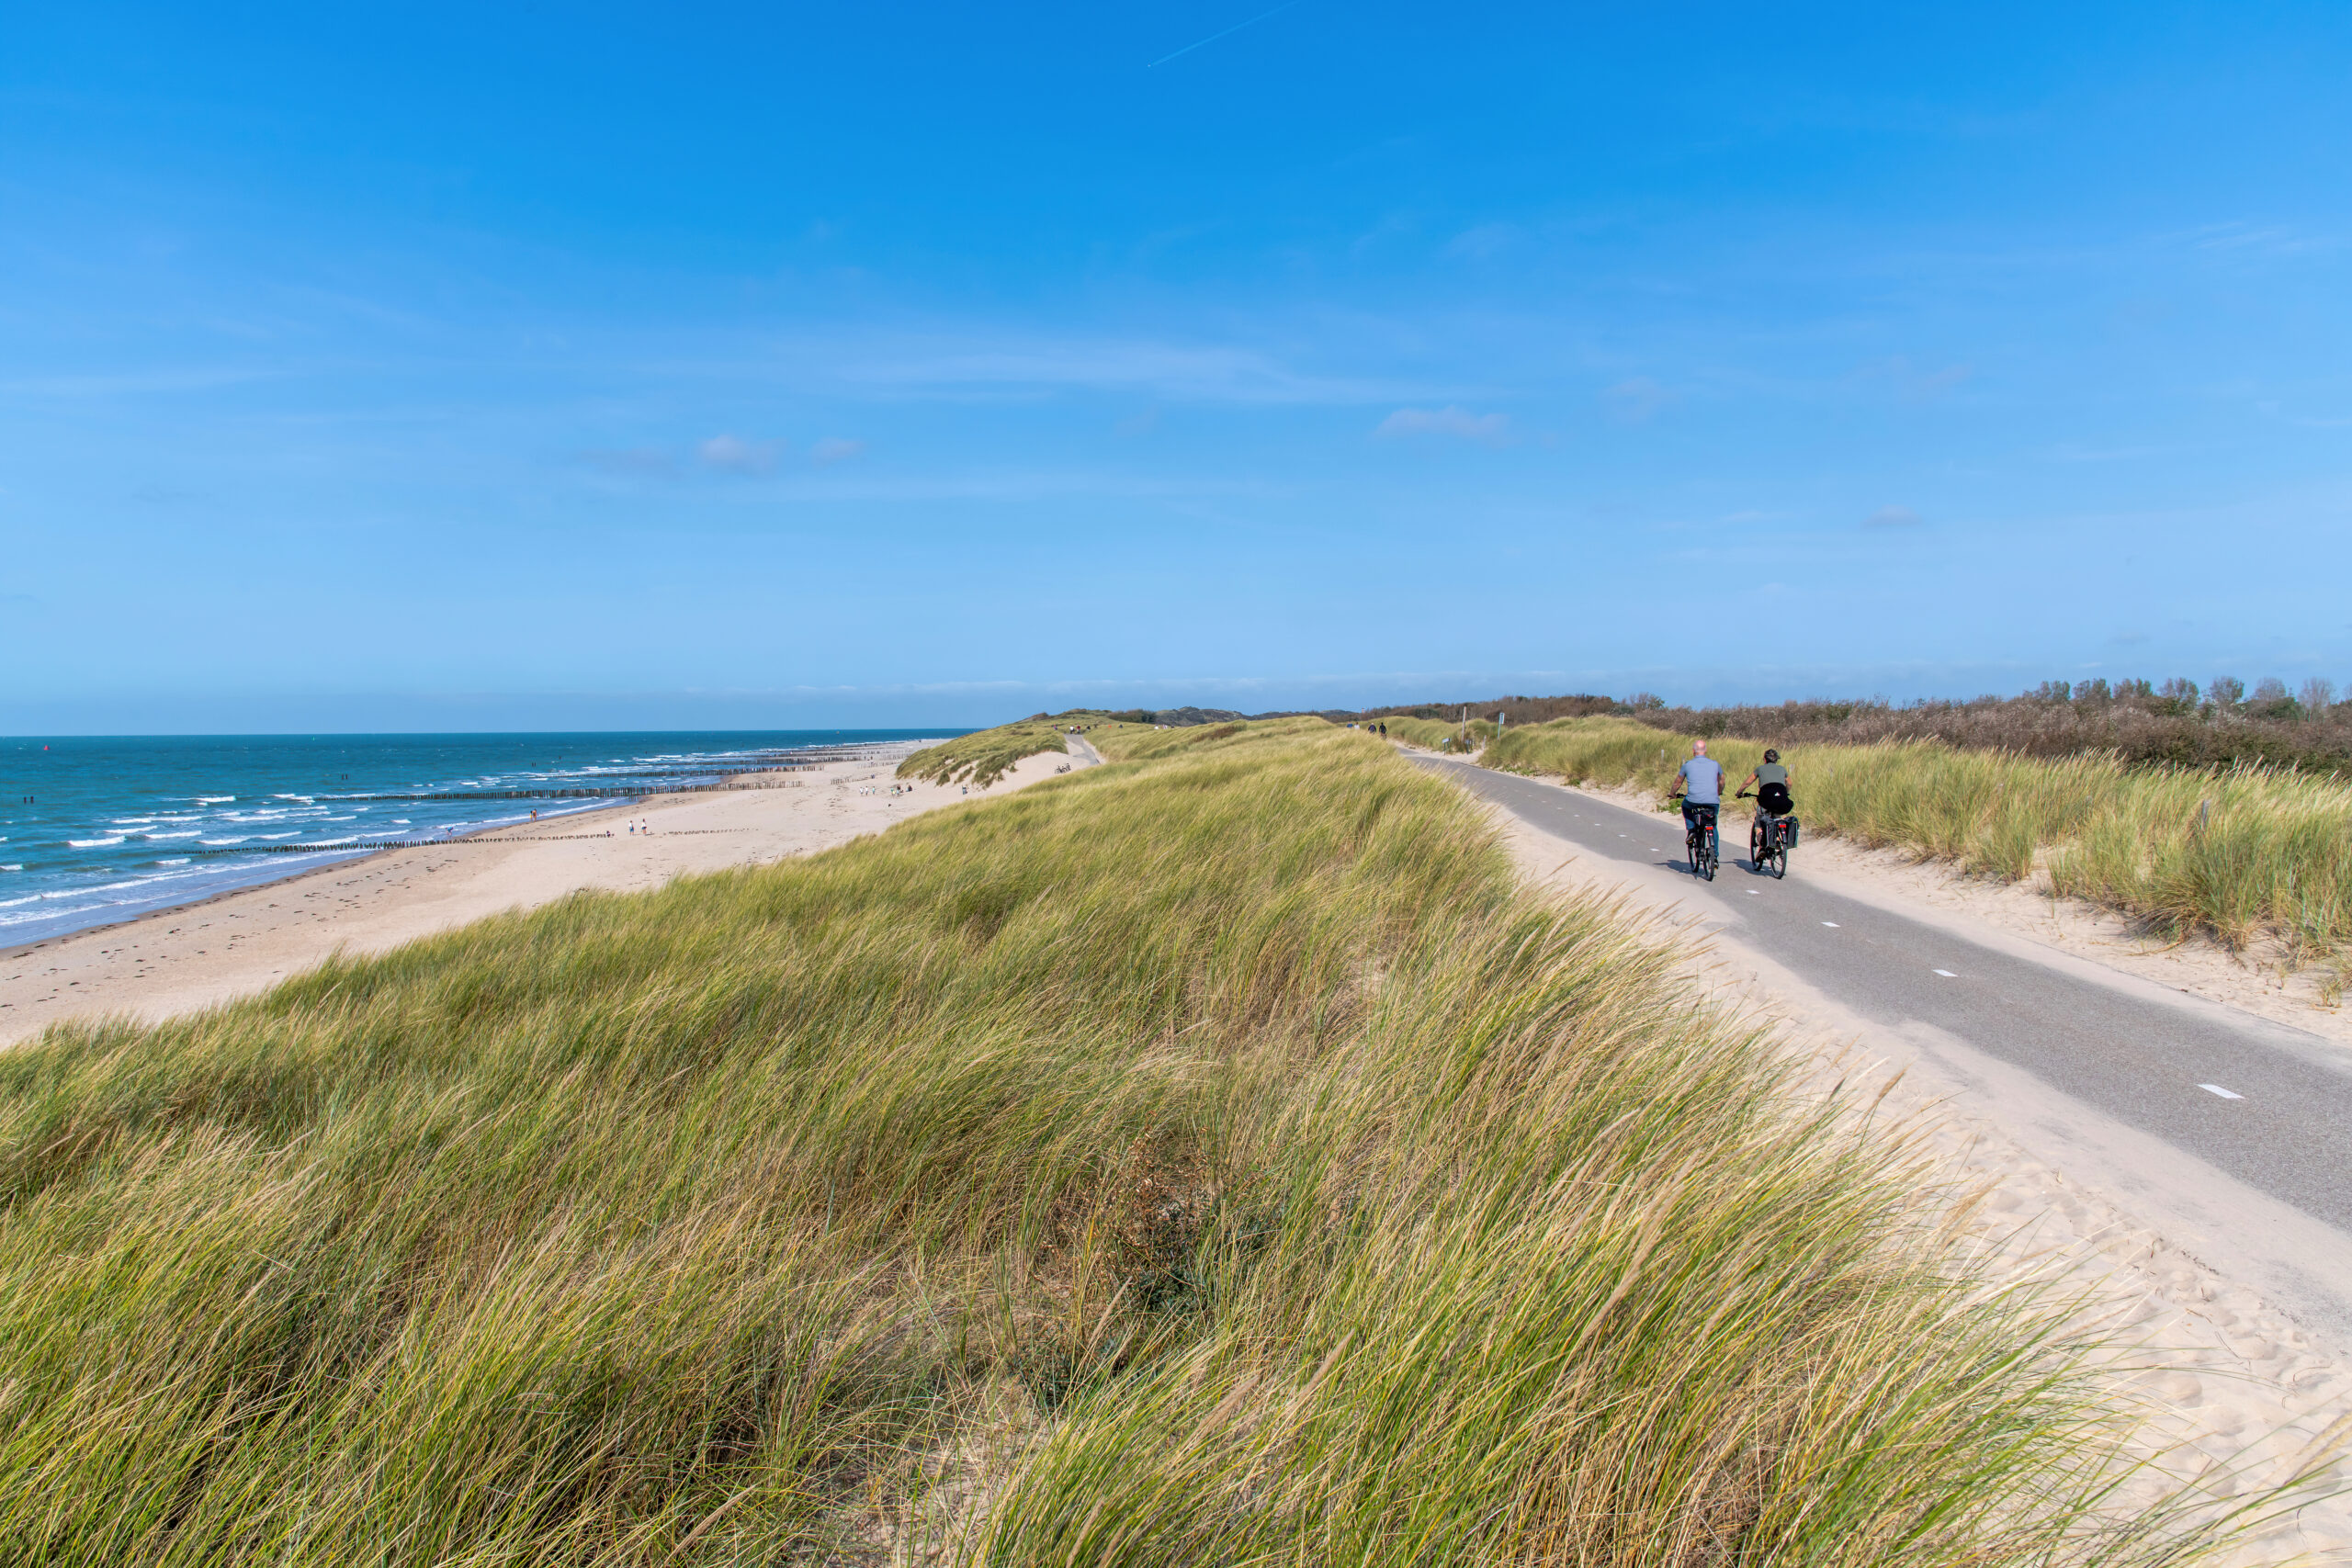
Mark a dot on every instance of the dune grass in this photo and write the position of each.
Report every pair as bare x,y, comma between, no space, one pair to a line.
1220,1123
984,756
2234,852
1430,732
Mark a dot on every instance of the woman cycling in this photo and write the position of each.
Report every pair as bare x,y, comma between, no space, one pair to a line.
1770,782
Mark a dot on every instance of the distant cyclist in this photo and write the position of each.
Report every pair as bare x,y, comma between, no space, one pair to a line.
1770,782
1700,783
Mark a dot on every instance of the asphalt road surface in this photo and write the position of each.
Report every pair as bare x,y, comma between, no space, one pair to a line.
2268,1107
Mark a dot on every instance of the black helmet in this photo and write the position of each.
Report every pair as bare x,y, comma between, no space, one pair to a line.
1771,755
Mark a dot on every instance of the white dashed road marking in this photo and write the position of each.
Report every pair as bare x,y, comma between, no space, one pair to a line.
2217,1088
1948,974
1831,924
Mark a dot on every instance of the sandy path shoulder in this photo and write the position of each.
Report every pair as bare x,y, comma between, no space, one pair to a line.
179,960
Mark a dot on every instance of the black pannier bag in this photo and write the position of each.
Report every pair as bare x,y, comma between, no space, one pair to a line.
1790,829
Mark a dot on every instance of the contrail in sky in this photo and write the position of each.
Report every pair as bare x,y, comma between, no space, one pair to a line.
1228,32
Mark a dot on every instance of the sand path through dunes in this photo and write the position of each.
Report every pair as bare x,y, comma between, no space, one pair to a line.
179,960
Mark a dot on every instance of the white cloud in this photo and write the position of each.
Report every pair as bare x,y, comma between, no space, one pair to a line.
733,455
1892,517
834,449
1487,429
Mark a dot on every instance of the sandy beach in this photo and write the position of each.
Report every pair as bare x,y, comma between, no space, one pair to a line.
178,959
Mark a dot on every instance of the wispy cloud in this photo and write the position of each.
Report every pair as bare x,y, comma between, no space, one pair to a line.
834,449
1892,517
2240,238
133,383
1485,240
1914,383
152,494
857,484
1637,399
2073,453
631,462
734,455
1169,372
1228,33
1485,429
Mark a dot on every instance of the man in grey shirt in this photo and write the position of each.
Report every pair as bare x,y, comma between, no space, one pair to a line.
1700,783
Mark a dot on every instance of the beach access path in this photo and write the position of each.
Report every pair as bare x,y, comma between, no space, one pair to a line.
2077,1103
179,960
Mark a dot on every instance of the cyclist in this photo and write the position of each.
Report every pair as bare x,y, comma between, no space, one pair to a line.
1700,783
1770,782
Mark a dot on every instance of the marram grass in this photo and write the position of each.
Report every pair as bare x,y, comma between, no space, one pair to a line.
984,756
1310,1195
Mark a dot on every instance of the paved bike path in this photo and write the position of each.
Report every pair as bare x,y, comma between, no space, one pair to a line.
2126,1048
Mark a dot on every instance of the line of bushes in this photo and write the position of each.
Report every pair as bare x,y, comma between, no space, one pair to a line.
2173,725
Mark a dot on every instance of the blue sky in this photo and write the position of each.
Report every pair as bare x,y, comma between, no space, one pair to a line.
541,365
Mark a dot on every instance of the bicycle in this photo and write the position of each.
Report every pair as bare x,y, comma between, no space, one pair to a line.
1768,840
1698,842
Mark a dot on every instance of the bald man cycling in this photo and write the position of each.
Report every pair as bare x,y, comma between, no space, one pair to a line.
1700,782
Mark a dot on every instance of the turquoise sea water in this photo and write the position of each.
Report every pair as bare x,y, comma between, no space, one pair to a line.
96,828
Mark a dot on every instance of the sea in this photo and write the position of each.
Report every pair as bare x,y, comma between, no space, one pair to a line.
97,828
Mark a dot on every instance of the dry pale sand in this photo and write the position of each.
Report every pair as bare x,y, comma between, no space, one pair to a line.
2235,1393
179,960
